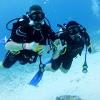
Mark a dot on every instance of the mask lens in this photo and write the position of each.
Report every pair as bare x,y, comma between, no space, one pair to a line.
76,37
37,16
73,30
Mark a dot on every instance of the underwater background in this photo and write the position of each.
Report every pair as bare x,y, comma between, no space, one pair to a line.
14,81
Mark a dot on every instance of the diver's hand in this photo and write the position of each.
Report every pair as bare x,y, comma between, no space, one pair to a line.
59,49
36,47
29,46
59,46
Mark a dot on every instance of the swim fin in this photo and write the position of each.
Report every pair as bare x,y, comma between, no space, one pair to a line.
38,76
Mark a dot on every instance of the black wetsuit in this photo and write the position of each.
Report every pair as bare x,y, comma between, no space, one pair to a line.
73,49
22,32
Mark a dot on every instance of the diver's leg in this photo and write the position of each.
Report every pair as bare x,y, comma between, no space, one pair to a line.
33,58
54,64
49,68
9,60
66,65
27,56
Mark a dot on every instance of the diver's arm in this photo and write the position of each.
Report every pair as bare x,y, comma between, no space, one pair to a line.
13,46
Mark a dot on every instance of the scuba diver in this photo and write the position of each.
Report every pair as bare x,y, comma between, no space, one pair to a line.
73,38
28,37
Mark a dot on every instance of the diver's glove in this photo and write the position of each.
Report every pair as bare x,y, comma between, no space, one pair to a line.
36,47
59,49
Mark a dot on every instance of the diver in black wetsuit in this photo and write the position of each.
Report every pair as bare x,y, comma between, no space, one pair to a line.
74,36
28,37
